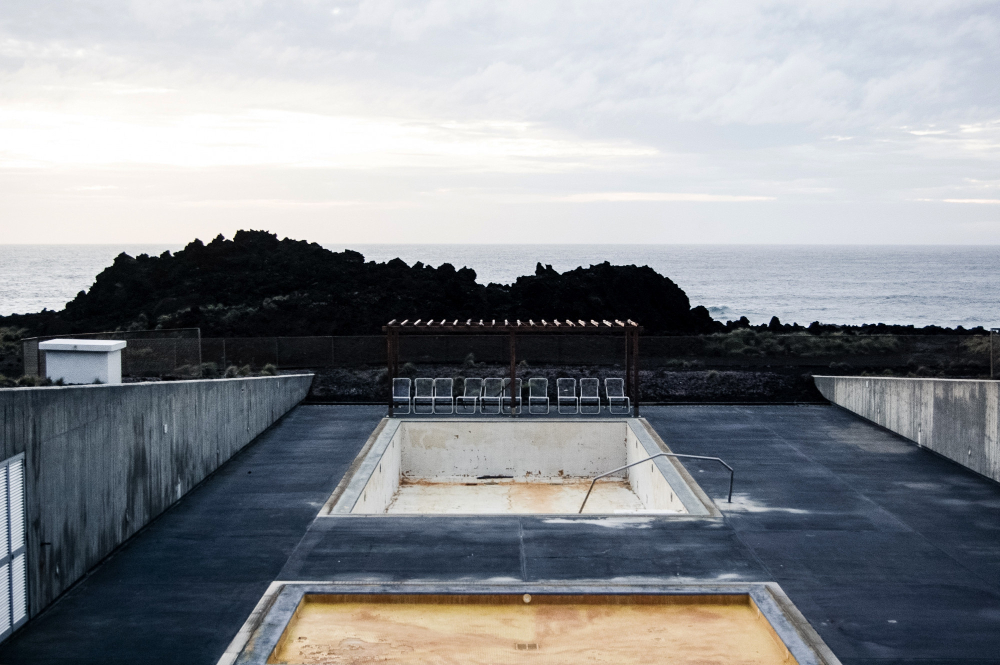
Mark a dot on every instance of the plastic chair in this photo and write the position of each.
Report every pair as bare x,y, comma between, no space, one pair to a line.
566,395
615,389
538,395
444,395
506,396
423,395
590,397
400,395
467,400
491,397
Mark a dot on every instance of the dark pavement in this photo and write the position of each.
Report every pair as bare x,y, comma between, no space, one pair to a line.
892,553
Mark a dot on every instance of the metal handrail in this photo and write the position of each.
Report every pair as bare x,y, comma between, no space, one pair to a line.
627,466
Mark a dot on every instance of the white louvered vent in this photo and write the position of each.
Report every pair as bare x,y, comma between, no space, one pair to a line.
16,504
4,541
13,555
4,600
19,598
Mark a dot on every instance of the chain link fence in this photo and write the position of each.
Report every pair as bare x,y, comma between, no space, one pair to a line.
174,353
183,353
744,349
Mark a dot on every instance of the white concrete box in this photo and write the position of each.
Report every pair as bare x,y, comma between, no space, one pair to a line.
83,360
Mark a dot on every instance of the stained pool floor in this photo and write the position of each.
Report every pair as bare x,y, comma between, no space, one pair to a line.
485,497
704,630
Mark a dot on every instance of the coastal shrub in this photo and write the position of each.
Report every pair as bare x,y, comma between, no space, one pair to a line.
232,372
186,372
470,361
269,370
978,345
408,370
10,350
751,342
33,382
210,370
245,371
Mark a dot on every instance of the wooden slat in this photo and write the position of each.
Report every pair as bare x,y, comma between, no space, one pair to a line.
542,326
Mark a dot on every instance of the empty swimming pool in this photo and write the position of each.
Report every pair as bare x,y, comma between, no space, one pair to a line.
490,466
749,624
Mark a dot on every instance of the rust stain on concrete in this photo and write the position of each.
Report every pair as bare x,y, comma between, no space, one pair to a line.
504,496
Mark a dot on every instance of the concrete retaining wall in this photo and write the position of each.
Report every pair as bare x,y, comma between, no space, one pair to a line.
102,461
957,418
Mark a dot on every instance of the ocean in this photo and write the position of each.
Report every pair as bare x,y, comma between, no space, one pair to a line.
919,285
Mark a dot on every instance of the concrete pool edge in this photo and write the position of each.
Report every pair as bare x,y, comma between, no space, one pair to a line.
363,465
351,488
264,628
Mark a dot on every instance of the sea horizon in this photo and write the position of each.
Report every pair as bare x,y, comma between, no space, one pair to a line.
918,284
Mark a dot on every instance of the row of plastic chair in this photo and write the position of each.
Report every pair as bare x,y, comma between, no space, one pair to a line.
492,396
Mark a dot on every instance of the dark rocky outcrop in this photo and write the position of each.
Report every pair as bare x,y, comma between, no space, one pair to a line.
257,285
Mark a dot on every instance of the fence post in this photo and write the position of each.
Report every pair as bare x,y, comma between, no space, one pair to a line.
200,370
513,378
993,332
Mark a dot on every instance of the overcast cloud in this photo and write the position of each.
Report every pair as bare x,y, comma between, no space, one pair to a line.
341,122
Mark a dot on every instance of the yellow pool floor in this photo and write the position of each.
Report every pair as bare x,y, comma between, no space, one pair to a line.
507,496
570,630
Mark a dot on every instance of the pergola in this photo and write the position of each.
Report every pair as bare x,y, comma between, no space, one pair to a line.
629,329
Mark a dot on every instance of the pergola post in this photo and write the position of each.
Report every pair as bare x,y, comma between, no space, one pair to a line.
390,364
635,370
628,362
513,375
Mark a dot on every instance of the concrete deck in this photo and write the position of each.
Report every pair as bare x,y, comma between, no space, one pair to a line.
892,553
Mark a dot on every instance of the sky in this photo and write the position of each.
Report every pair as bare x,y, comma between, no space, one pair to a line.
500,122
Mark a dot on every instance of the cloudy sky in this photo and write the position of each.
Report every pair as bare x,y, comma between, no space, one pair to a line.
599,122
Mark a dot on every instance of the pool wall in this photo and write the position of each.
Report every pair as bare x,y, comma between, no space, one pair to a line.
527,451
